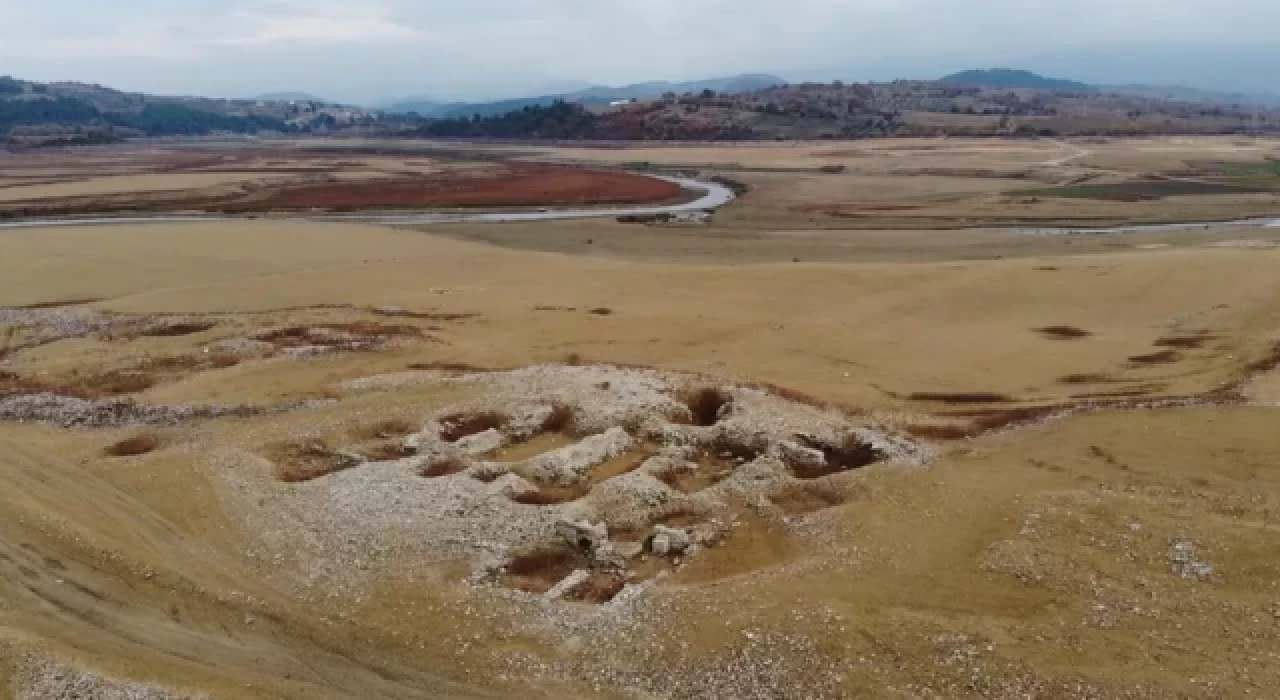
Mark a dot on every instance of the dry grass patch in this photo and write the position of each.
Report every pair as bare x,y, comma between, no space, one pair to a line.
1091,378
1186,342
446,366
114,383
1063,332
59,304
174,330
972,397
135,446
1164,357
297,462
425,315
373,329
1266,363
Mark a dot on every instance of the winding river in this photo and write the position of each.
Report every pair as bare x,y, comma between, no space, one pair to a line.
714,196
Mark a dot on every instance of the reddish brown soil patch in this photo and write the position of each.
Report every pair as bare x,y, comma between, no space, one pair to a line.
538,570
12,384
386,452
939,432
446,465
134,446
560,420
600,588
705,405
520,186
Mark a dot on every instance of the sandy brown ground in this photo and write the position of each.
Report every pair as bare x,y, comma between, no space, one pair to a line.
1039,561
951,183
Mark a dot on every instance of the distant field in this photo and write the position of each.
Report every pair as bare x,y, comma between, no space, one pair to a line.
266,179
125,184
1138,191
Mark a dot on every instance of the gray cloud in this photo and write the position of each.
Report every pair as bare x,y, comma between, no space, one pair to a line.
364,50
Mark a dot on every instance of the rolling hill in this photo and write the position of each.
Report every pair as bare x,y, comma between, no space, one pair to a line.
37,114
1010,78
590,96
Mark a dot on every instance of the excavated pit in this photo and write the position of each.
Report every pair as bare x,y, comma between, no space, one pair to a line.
577,482
463,425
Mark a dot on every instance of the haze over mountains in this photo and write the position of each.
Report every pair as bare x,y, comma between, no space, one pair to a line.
436,108
589,96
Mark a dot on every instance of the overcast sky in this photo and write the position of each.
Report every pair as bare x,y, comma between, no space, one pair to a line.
369,50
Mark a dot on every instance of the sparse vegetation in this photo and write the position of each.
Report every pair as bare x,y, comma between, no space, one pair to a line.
1163,357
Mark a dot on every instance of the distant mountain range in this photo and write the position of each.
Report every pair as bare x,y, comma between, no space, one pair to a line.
1009,78
590,96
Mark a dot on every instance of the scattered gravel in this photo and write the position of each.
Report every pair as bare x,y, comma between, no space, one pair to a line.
1185,562
339,530
48,679
72,412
